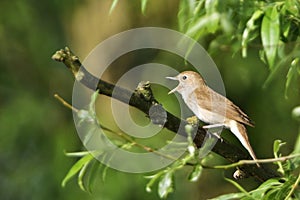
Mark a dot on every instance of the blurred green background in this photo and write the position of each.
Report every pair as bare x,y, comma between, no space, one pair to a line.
36,129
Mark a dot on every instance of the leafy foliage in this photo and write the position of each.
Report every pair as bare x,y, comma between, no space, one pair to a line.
283,187
276,188
272,27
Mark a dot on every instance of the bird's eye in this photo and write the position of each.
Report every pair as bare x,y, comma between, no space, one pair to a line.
184,77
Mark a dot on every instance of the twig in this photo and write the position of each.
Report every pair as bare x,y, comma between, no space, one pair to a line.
149,149
144,147
251,162
65,103
120,134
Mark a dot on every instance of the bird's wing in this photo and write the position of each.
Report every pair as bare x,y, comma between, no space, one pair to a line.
219,104
235,113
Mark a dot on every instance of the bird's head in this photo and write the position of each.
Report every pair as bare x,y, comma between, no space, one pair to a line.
188,82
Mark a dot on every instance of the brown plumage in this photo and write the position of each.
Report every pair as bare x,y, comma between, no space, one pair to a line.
211,107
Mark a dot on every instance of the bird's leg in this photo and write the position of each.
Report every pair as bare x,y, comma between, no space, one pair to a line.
214,133
213,126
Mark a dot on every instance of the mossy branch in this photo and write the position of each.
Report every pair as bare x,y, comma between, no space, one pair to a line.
143,100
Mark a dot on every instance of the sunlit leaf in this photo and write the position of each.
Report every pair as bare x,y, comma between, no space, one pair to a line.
276,146
211,6
81,175
292,74
226,24
165,185
143,6
276,69
93,174
270,183
196,173
192,5
238,186
291,6
76,168
211,22
89,116
286,29
113,6
199,5
250,27
77,154
265,187
295,162
296,116
93,101
85,116
153,179
231,196
270,33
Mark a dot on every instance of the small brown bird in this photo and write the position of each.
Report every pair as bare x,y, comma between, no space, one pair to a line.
212,108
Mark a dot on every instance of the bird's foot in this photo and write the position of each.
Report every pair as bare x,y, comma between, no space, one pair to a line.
216,135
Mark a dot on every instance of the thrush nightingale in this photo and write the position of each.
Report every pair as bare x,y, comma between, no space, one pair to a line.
211,107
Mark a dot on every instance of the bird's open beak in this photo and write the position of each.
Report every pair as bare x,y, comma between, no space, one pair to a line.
175,79
172,78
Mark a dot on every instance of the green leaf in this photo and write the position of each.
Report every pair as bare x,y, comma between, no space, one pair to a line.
266,187
231,196
209,22
192,4
276,69
153,179
211,6
295,162
81,174
93,101
270,34
198,7
77,154
286,29
89,116
165,185
85,116
296,116
93,174
143,6
238,186
189,12
250,27
196,173
76,168
291,6
291,75
276,147
270,183
181,16
113,6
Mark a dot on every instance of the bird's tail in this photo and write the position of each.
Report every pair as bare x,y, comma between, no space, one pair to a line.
240,132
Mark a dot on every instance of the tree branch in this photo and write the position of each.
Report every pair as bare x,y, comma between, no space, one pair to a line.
143,100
